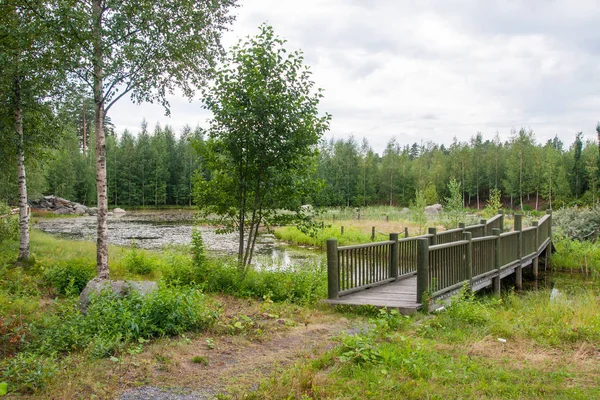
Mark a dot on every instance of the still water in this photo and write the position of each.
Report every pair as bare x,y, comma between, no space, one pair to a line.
159,230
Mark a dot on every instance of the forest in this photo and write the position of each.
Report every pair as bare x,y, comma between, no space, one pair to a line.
154,167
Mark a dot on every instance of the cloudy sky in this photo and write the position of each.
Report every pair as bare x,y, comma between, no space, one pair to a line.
430,70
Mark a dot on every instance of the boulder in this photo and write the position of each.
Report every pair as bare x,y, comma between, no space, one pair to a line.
92,211
80,209
63,210
434,209
118,211
119,288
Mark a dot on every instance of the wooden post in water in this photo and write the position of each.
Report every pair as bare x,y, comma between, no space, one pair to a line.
373,233
496,280
333,281
519,267
535,262
394,255
432,239
423,272
469,259
405,232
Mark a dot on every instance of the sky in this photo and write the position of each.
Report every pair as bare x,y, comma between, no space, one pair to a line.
421,71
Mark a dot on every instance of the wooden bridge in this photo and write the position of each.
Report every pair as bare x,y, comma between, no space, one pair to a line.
408,273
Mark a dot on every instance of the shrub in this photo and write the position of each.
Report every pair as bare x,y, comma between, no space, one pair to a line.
577,223
139,262
70,277
113,322
9,224
27,373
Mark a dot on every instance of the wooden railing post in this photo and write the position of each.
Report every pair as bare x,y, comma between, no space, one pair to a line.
518,222
423,272
405,232
333,281
501,212
433,239
519,267
342,230
485,227
394,256
496,280
535,261
372,233
462,225
469,259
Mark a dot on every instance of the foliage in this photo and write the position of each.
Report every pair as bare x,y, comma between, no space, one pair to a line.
262,138
27,373
139,262
577,223
70,277
494,203
454,209
198,249
304,284
9,224
294,235
417,211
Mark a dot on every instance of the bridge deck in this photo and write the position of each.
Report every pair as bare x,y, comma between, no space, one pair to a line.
400,294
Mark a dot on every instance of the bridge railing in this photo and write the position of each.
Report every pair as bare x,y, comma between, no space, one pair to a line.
496,222
509,248
529,241
451,235
483,256
442,261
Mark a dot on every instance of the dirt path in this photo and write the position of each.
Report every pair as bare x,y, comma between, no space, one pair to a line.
236,362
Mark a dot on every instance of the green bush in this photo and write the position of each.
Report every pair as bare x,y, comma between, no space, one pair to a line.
27,373
139,262
577,223
113,322
301,285
180,270
9,224
70,277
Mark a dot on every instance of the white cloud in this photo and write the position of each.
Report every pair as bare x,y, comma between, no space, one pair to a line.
432,70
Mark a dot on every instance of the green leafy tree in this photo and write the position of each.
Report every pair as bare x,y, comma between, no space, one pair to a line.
262,138
141,49
417,211
454,210
29,77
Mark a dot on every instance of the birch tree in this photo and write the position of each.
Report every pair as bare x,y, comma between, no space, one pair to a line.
140,49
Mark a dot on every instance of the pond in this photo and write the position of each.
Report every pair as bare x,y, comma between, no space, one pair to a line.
160,229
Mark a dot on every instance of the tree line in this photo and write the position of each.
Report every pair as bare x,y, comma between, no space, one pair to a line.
155,167
527,173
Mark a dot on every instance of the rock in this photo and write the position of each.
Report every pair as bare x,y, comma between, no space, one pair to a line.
92,211
119,211
63,211
80,209
120,288
405,210
434,209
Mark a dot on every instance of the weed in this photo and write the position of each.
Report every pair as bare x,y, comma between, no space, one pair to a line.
200,360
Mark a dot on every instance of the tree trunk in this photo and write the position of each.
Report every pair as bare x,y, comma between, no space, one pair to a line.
23,208
102,241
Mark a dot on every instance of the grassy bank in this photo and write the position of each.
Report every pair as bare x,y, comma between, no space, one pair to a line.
206,318
523,346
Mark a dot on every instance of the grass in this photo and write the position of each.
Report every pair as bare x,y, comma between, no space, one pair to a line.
268,327
523,346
